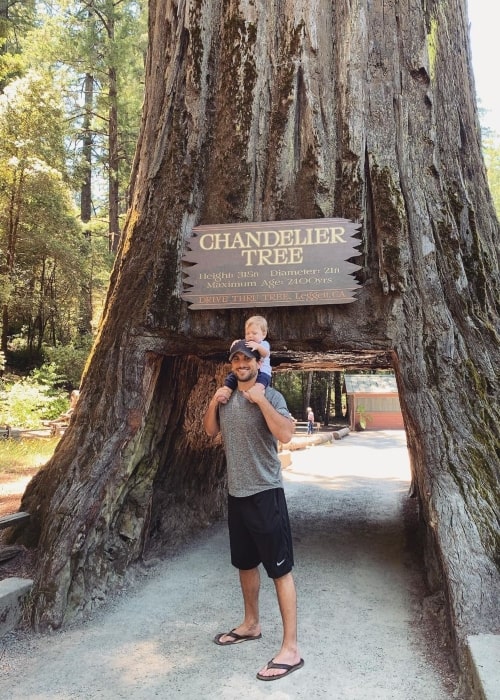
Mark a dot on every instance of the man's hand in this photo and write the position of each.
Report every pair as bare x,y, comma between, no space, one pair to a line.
255,393
211,417
222,395
282,427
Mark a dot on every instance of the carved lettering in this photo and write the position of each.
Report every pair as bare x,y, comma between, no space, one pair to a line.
309,257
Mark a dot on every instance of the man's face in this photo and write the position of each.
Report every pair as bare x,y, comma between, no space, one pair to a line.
245,368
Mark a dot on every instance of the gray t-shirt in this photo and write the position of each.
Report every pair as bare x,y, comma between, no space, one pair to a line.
252,458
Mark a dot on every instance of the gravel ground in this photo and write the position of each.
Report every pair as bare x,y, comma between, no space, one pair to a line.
362,631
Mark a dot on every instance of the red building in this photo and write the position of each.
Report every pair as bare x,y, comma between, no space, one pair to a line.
373,402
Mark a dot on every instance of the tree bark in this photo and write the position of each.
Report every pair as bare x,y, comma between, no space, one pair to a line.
271,111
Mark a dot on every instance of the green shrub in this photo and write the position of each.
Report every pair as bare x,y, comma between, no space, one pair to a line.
70,360
16,456
25,403
23,359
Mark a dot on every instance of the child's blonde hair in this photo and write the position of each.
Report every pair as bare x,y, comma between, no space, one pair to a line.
258,321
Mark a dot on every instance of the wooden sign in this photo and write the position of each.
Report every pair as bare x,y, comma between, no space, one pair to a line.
272,263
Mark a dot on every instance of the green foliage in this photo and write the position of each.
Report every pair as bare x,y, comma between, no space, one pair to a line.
26,402
38,225
97,264
491,151
291,385
49,263
96,38
19,456
363,417
32,122
288,383
19,357
47,376
309,388
54,149
15,20
69,360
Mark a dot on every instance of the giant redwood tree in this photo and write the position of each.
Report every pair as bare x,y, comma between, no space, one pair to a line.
268,111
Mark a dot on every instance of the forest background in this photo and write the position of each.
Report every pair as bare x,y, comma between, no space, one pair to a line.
71,90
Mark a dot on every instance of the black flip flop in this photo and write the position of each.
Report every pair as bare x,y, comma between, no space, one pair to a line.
288,668
236,638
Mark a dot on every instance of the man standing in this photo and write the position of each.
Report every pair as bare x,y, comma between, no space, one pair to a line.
251,421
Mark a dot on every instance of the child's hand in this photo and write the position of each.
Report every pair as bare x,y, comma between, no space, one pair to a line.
252,344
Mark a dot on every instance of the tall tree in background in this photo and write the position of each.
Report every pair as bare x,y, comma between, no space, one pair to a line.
110,33
16,16
85,323
86,189
272,111
307,393
97,47
337,383
32,166
100,45
66,42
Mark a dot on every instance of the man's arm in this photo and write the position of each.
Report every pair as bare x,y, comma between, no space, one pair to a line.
211,417
282,427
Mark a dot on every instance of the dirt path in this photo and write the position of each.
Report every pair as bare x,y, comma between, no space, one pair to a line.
362,633
13,482
11,489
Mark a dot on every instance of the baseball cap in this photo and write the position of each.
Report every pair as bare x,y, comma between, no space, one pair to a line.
241,346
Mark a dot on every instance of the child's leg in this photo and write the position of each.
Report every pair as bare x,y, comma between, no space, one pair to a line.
263,380
230,384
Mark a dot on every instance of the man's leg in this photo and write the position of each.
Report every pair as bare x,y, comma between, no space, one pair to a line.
287,600
250,587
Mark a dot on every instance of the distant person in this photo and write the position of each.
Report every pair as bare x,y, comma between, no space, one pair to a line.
251,422
310,421
64,419
73,400
255,339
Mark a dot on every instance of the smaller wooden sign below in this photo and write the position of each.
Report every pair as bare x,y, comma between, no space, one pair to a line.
272,263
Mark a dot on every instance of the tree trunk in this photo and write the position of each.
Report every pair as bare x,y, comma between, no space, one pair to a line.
86,190
307,397
328,402
13,216
114,156
337,383
273,111
85,319
113,163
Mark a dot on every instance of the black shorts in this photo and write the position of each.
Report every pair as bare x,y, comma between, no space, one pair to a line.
259,532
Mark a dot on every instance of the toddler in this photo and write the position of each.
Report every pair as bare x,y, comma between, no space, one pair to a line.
255,339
